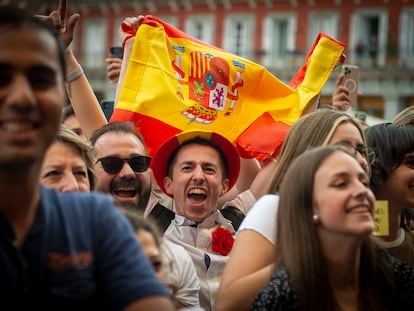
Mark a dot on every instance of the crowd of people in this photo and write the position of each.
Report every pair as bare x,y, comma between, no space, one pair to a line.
90,220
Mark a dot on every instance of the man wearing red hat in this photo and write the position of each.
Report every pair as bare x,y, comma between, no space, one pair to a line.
196,168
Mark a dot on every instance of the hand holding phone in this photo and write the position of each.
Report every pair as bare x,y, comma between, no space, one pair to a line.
116,51
351,81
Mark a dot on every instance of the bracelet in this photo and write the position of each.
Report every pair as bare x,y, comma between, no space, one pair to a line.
74,74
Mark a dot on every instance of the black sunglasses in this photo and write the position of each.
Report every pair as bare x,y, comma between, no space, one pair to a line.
114,164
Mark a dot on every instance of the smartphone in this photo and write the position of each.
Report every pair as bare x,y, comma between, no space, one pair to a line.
107,107
351,81
116,51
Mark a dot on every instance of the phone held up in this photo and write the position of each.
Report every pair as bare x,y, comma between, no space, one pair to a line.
107,107
116,51
351,81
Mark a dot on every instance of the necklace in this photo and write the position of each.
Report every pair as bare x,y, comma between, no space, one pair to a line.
396,242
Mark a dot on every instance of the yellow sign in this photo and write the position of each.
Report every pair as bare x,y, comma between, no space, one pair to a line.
381,218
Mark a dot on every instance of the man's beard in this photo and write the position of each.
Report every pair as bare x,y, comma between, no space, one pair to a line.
143,194
144,198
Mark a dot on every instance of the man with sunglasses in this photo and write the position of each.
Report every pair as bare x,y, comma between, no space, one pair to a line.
123,171
122,168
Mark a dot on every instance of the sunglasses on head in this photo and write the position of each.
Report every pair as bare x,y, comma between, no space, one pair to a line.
114,164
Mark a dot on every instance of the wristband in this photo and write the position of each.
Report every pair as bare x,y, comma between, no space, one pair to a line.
74,74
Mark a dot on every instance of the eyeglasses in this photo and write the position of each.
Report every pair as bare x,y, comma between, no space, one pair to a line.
364,151
113,164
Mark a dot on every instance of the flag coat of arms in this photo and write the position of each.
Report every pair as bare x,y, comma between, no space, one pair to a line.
176,83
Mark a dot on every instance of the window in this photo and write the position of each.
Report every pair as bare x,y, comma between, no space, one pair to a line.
407,37
117,24
95,35
239,35
372,105
368,38
323,22
278,40
201,27
169,20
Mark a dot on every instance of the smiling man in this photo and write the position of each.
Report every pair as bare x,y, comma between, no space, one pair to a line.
58,251
123,171
114,145
196,168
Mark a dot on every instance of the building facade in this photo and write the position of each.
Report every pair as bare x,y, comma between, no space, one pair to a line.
379,35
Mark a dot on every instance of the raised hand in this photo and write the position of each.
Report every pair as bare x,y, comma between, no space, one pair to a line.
58,18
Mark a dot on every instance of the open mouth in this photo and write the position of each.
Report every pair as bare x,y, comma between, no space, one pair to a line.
123,192
17,126
197,195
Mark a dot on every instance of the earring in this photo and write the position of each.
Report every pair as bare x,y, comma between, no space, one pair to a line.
315,218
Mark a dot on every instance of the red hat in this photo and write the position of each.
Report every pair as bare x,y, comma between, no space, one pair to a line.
161,157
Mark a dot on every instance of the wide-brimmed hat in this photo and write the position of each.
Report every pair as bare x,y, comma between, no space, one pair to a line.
163,154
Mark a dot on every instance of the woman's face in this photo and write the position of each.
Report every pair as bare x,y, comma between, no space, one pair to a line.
64,169
398,189
349,134
343,200
153,252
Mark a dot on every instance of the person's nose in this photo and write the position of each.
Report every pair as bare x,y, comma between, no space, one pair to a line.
362,161
198,173
69,183
361,190
21,93
126,171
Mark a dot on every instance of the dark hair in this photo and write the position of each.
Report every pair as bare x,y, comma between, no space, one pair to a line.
198,141
16,18
391,143
298,249
117,126
139,222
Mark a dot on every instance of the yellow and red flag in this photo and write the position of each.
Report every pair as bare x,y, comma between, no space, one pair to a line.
176,83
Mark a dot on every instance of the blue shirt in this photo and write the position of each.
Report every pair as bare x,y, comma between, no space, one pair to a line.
80,253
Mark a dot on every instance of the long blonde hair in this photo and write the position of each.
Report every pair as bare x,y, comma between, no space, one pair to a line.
310,131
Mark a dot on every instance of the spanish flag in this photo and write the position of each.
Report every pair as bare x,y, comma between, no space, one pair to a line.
176,83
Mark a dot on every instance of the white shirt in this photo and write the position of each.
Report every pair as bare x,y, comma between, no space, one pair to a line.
262,217
197,240
182,277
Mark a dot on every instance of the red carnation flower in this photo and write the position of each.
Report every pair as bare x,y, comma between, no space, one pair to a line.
222,241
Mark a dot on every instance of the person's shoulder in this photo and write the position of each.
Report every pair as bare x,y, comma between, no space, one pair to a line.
403,275
174,250
77,205
268,199
264,205
278,294
262,217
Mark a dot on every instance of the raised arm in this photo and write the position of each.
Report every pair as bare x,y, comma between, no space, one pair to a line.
80,93
340,97
83,99
127,40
